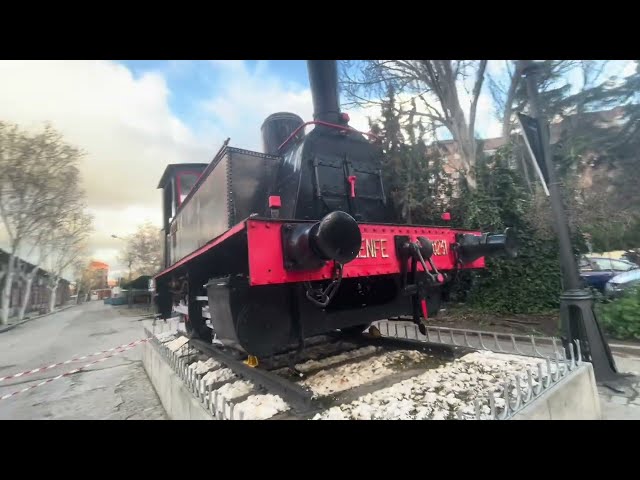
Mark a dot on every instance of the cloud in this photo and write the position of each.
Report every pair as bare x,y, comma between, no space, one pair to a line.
123,123
629,69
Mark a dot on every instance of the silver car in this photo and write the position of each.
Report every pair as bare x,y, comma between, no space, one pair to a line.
618,284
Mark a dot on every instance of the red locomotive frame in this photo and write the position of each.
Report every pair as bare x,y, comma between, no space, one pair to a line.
377,255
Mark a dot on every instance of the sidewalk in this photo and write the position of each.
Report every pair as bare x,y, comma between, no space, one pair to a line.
623,405
10,326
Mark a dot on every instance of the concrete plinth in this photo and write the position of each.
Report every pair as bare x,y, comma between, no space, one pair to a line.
176,399
573,398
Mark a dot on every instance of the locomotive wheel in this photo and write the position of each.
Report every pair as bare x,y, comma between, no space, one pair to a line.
197,329
195,323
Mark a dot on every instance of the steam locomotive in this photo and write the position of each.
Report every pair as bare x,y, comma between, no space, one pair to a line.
301,239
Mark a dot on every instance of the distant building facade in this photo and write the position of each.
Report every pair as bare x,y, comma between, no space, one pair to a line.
603,119
99,274
39,295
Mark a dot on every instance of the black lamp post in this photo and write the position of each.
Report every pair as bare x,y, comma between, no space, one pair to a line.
577,316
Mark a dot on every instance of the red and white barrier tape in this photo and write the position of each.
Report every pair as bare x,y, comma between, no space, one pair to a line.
76,370
74,359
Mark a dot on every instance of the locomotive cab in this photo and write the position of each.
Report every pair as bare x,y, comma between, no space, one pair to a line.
176,183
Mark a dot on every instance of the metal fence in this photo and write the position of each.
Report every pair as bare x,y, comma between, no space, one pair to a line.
517,391
218,406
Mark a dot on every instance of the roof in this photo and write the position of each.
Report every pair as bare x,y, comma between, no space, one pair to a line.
97,265
173,167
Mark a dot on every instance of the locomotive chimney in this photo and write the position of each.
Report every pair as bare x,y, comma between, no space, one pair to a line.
323,79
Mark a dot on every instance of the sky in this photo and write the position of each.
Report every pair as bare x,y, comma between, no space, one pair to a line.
133,117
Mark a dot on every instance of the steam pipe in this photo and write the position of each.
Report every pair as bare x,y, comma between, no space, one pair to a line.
323,79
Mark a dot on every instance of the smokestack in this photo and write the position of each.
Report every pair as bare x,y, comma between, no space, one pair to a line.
323,78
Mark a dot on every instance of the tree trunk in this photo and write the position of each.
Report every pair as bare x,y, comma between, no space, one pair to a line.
5,297
52,297
28,279
466,147
508,105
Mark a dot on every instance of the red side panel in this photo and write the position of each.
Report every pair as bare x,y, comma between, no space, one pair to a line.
229,233
377,255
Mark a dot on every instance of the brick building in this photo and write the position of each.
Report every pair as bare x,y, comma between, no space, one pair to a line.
608,118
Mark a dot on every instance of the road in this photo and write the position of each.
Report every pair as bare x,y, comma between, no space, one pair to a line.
116,389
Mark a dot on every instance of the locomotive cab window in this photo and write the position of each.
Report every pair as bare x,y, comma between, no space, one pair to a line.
186,182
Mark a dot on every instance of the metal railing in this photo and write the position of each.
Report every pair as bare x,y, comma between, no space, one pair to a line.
527,385
216,404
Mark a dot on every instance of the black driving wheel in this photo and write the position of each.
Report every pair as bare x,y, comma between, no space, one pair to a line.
196,324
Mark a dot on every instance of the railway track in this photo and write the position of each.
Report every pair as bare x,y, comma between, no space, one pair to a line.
368,376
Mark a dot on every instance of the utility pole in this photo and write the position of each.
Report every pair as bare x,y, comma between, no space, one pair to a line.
577,316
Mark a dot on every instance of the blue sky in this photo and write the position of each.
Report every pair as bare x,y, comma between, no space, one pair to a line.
190,82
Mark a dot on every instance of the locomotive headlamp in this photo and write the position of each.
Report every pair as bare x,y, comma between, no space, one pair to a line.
307,246
472,247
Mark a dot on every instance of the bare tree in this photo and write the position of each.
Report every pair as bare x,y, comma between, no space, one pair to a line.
510,95
65,244
437,84
80,273
39,189
143,251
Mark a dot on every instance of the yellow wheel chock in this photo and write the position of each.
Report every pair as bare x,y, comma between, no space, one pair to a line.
251,361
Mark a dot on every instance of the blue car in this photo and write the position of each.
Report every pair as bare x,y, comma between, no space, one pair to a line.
597,271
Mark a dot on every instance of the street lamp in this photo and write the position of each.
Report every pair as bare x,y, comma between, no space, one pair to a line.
577,316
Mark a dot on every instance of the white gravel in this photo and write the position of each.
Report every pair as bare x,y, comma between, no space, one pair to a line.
261,407
439,393
325,362
345,377
201,367
165,337
221,375
177,344
236,389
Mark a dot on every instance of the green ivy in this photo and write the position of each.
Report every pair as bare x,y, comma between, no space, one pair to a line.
621,317
421,191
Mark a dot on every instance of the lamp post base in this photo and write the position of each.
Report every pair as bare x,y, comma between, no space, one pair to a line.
578,321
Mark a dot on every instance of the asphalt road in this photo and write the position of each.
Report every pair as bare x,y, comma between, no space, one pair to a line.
116,389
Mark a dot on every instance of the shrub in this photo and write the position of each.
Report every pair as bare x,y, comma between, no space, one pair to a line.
621,318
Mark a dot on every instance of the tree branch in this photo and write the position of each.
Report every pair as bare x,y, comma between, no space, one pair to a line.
476,96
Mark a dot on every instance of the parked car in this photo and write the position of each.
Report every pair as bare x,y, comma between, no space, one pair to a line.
622,282
632,256
597,271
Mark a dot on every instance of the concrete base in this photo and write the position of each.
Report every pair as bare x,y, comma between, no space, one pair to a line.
574,398
176,399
